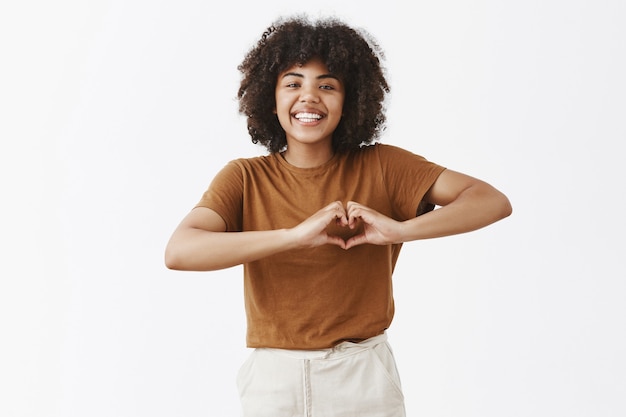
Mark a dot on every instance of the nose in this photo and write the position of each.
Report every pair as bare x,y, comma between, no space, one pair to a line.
309,94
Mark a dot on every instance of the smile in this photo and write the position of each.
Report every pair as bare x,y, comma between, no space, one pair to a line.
308,117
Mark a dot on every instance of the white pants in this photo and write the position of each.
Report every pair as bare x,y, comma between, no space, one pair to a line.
349,380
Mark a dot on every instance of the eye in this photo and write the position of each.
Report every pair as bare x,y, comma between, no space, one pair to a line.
327,87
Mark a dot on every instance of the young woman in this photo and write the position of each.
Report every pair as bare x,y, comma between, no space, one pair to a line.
318,223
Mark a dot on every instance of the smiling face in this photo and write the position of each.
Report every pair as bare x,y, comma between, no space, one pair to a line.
309,104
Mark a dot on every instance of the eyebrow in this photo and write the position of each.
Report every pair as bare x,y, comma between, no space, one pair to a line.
319,77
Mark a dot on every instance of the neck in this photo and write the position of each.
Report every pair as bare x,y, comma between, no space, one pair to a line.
306,157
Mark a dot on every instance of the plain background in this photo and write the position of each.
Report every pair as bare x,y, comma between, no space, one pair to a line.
115,115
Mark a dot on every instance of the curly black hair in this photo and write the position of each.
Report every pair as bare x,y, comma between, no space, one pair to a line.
351,54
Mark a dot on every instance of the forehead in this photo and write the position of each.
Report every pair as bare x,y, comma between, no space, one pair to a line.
314,65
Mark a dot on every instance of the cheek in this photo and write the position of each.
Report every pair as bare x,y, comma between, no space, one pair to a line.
283,119
339,106
280,106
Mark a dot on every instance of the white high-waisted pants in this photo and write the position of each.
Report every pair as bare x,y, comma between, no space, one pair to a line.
349,380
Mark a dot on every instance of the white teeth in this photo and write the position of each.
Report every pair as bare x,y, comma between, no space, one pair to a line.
307,117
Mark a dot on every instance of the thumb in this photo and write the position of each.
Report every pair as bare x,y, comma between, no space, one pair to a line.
356,240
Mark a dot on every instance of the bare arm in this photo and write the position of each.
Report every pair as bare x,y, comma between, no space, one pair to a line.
466,204
201,243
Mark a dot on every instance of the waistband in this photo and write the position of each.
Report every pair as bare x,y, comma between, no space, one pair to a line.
342,349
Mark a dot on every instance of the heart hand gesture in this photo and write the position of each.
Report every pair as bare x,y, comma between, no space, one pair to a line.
347,227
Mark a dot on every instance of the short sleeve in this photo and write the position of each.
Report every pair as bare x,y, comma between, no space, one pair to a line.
225,195
407,177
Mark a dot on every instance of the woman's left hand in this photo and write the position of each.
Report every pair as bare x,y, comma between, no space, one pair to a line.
378,229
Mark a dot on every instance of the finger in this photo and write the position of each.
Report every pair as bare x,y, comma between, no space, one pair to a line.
352,205
336,205
340,218
339,212
337,241
354,214
341,221
357,240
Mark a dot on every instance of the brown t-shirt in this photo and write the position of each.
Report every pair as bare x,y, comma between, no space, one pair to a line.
316,298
